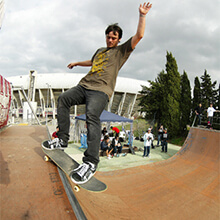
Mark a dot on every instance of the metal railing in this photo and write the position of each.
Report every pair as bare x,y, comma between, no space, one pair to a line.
204,121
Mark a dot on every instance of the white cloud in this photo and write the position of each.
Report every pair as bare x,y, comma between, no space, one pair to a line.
47,35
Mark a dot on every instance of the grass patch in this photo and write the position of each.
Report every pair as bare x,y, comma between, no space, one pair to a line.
179,141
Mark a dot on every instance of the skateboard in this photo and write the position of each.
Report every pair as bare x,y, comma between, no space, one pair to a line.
68,164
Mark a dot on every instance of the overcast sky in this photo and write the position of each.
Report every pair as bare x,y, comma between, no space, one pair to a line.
46,35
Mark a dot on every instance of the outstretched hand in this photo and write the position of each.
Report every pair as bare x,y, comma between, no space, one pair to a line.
71,65
144,9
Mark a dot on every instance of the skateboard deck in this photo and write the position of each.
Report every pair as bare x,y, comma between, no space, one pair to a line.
68,164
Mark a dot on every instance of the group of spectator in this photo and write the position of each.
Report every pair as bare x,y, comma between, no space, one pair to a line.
114,147
162,138
210,113
111,148
148,140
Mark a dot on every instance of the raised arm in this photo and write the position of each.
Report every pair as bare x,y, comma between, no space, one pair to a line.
143,10
80,63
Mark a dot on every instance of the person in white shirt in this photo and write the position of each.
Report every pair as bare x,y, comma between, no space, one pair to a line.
210,114
116,146
148,138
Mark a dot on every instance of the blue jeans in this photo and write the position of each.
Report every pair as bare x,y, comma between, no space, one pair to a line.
199,119
164,146
158,139
146,149
210,119
117,149
95,103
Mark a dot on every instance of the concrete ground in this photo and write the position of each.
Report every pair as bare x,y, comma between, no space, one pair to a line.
130,160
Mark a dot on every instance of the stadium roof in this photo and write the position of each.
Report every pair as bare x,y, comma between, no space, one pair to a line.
68,80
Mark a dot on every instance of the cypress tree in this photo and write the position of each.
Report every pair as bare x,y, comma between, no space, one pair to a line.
185,101
208,91
196,93
171,98
218,98
150,102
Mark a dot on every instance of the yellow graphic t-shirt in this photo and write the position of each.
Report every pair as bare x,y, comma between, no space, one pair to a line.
106,63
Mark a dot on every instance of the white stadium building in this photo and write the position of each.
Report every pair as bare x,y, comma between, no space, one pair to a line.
43,91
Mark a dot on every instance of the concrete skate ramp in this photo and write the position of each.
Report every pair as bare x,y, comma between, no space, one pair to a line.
29,187
186,186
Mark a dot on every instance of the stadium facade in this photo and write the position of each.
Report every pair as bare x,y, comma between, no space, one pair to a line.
44,89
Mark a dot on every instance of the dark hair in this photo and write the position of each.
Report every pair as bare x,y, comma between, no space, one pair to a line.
115,28
106,137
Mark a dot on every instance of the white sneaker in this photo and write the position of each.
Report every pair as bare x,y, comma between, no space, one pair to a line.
54,144
83,173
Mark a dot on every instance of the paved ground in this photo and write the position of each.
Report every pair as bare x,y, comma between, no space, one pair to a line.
130,160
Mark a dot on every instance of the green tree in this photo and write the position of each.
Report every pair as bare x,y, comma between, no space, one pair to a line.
162,98
171,98
208,92
185,101
151,102
218,97
196,93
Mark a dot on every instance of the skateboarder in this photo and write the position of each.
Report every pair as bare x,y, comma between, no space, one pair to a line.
94,90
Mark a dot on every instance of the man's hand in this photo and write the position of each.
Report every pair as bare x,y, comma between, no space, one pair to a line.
145,8
71,65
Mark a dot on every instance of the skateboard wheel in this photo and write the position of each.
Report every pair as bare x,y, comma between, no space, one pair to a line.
46,158
76,188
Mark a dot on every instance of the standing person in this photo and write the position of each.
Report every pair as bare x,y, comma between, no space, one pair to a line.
198,111
160,132
106,146
116,130
148,138
152,144
210,114
94,90
164,141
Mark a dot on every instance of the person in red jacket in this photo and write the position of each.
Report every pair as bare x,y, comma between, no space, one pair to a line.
54,135
115,129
